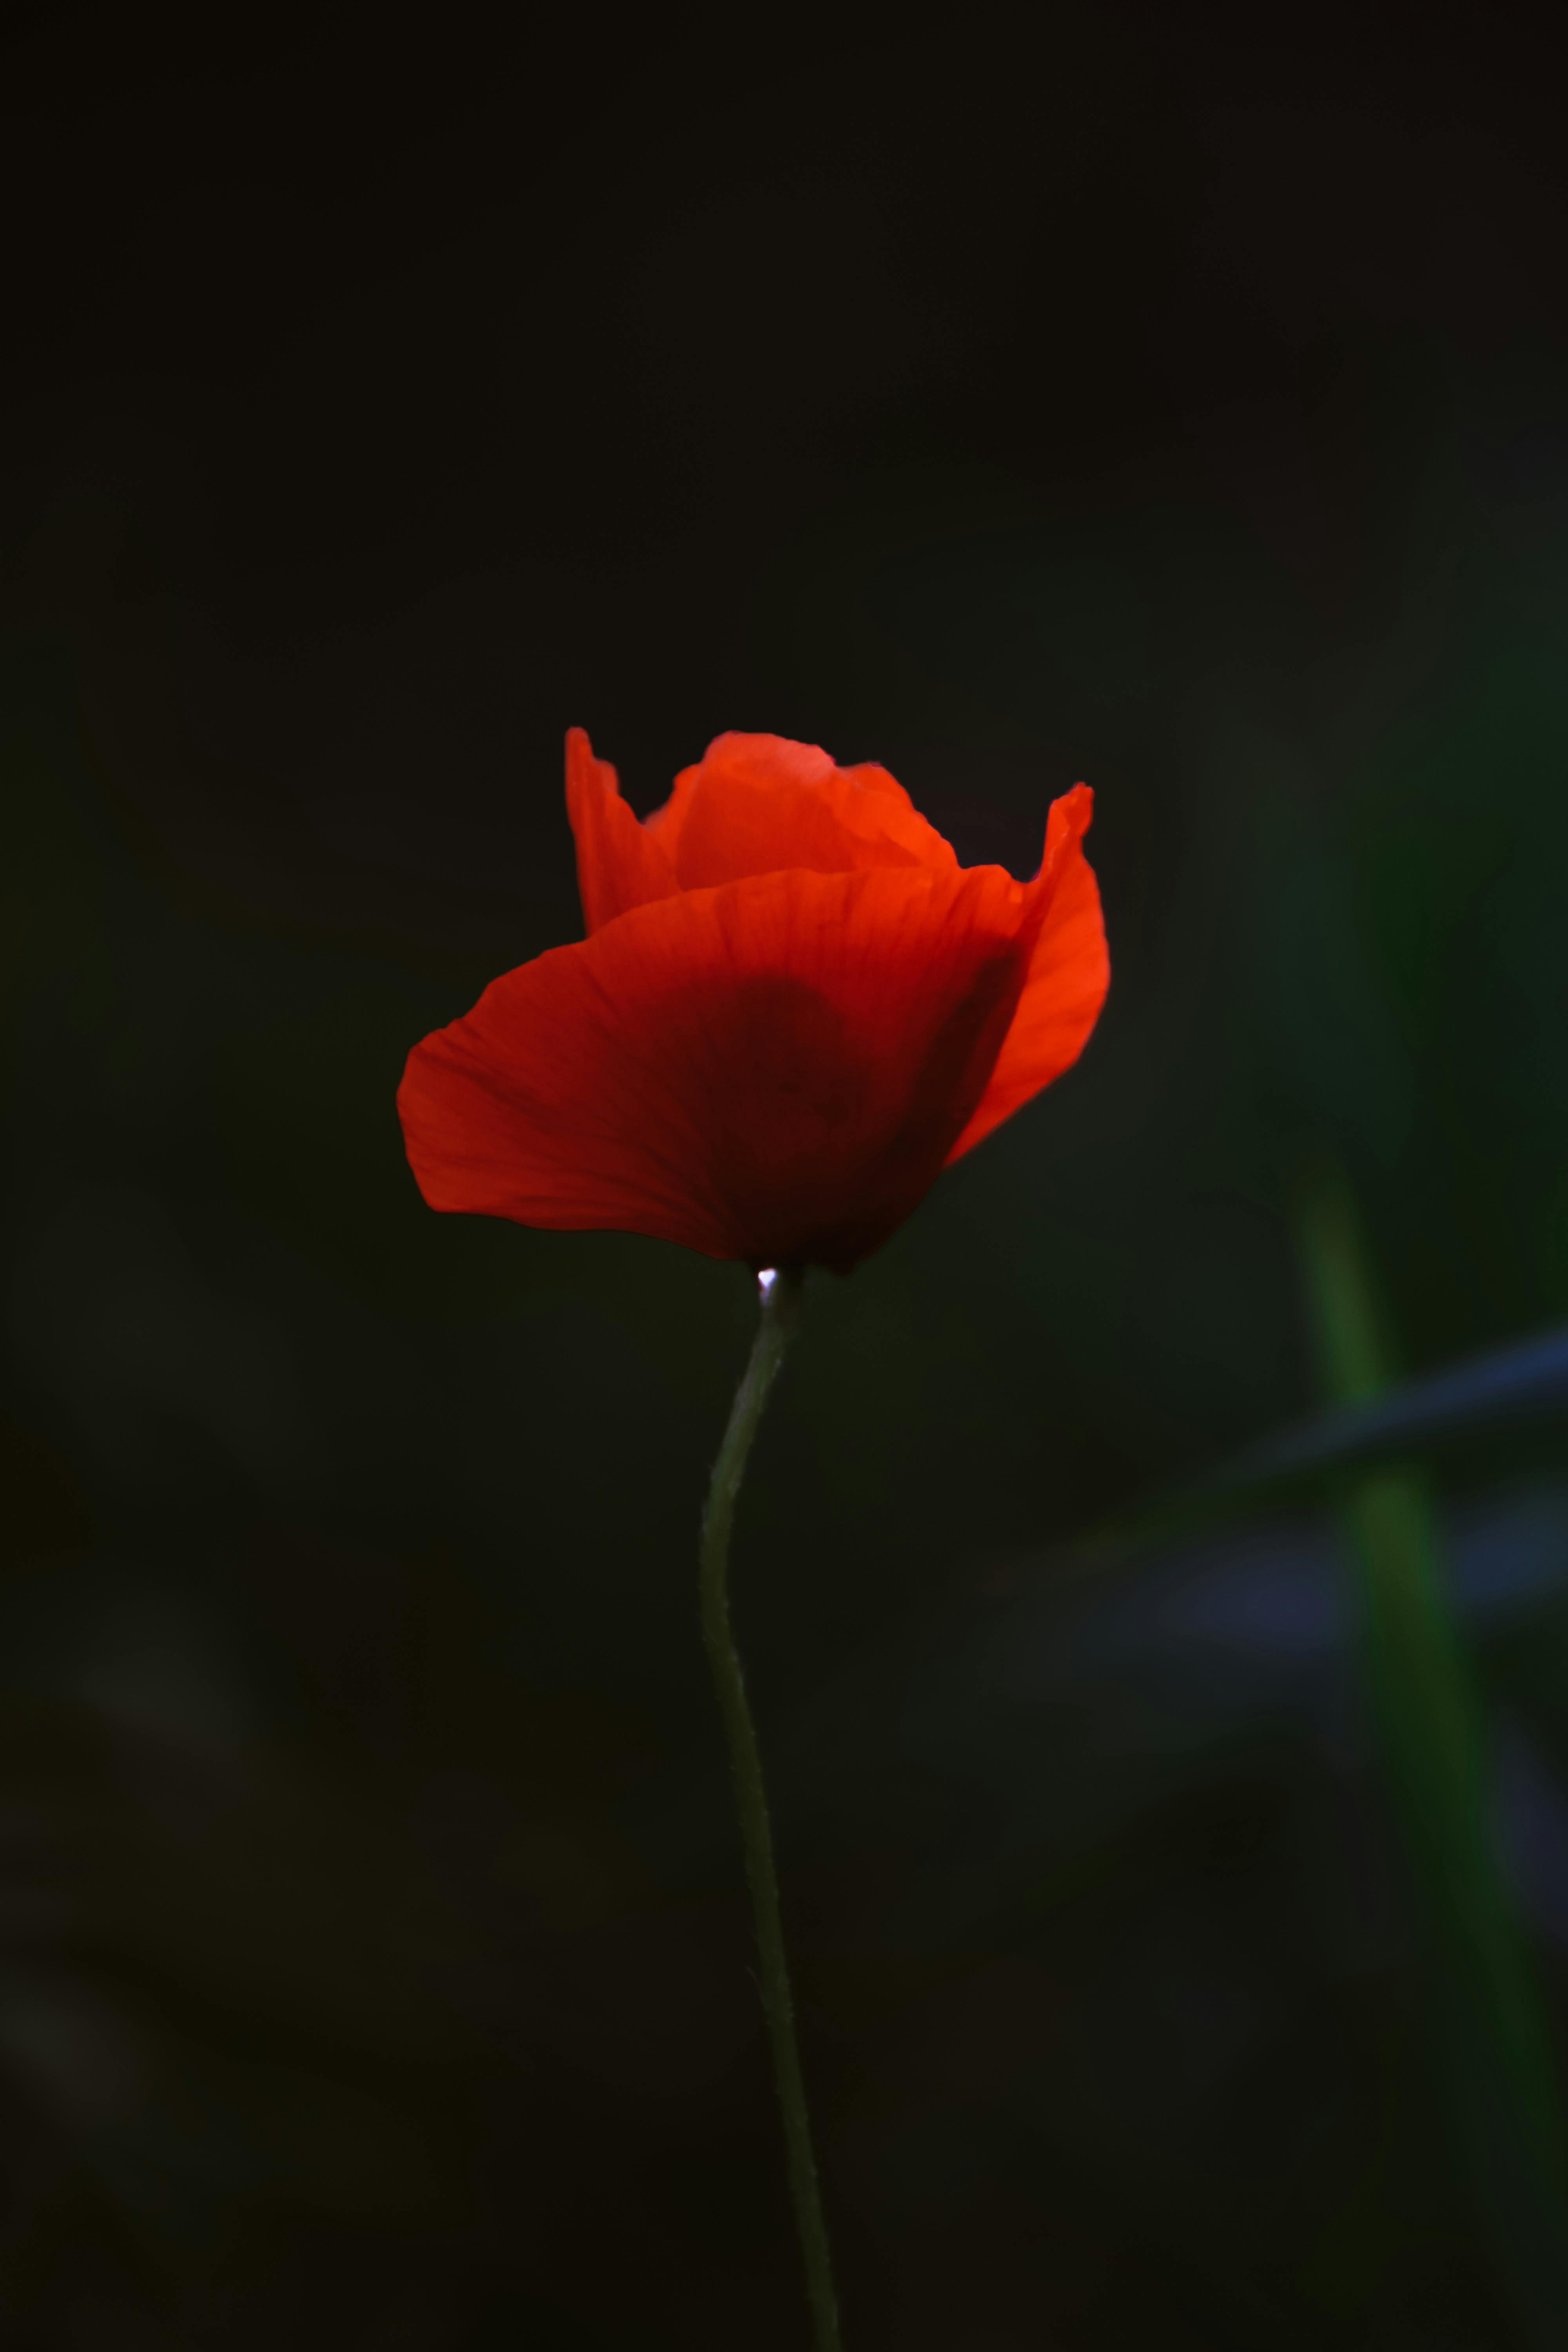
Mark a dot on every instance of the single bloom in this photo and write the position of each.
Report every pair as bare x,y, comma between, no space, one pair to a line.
793,1008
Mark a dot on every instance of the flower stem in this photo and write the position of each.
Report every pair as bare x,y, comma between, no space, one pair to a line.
781,1305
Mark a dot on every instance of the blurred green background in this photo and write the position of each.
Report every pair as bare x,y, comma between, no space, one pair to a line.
1088,395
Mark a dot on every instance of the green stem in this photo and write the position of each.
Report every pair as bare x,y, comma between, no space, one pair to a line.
781,1305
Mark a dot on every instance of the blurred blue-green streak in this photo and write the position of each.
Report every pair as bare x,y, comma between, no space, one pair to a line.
1493,2047
1527,1380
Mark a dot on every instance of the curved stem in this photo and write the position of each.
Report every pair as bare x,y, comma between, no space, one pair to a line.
780,1305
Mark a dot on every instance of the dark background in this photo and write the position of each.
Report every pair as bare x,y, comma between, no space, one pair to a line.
1131,395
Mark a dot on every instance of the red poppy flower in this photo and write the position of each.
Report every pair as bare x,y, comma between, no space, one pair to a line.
792,1009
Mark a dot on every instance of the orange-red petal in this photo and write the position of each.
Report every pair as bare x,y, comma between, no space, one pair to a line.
1069,971
773,1071
759,803
619,864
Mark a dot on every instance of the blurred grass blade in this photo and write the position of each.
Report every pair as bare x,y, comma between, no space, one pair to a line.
1525,1380
1491,2038
1517,1383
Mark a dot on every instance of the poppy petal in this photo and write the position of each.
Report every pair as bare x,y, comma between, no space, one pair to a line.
1069,971
773,1071
619,864
759,804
